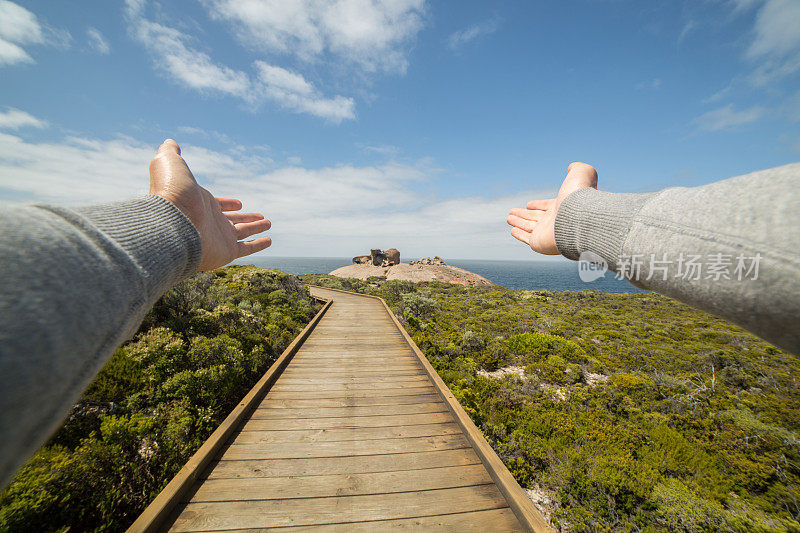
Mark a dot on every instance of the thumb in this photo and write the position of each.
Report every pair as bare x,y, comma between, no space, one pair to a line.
169,146
579,175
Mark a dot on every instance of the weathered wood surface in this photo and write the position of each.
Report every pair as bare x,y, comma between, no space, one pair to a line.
354,435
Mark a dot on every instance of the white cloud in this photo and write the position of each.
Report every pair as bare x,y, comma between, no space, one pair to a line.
776,29
173,54
14,119
728,117
97,41
385,150
776,42
458,39
190,67
10,54
371,34
292,91
19,27
337,210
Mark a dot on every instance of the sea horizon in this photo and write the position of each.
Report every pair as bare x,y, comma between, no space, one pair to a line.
517,274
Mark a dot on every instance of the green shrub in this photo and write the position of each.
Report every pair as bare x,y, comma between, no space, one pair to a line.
160,396
418,305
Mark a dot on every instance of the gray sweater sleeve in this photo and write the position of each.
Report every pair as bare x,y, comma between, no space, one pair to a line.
74,285
731,247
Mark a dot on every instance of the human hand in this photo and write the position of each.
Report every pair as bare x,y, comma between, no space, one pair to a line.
536,225
219,227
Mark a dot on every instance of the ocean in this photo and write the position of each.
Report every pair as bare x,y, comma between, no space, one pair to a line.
525,275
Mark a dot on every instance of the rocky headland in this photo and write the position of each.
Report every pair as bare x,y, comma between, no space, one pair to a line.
387,264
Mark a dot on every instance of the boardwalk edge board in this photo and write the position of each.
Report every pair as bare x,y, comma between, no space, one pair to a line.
522,506
153,517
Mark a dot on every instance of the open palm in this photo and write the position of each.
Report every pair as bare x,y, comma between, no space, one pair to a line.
220,225
535,225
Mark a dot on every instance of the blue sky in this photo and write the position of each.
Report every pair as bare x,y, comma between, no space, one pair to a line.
409,123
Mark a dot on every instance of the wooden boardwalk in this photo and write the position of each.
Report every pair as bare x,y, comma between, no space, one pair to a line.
356,432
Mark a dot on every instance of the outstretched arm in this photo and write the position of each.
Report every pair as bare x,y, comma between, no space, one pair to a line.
730,247
76,283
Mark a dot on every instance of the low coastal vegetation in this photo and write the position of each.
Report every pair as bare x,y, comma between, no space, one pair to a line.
198,352
619,412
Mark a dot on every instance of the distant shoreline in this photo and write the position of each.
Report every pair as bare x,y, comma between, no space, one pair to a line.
512,274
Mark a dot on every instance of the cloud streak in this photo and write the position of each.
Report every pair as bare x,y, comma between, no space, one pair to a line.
776,42
14,119
728,117
20,28
175,56
97,41
370,35
460,38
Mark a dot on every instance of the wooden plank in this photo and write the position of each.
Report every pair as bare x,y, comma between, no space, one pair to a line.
300,372
405,391
360,363
361,350
337,412
394,349
282,488
343,434
355,358
326,378
366,371
362,387
278,424
342,465
348,401
308,511
160,508
476,521
299,450
355,346
389,366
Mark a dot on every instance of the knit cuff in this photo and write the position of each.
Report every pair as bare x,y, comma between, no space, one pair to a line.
155,234
589,220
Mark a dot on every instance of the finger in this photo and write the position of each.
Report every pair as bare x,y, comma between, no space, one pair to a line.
229,204
521,235
237,218
169,146
247,229
521,223
251,247
528,214
541,204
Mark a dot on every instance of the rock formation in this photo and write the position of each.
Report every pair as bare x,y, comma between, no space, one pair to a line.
379,258
393,256
386,264
428,261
